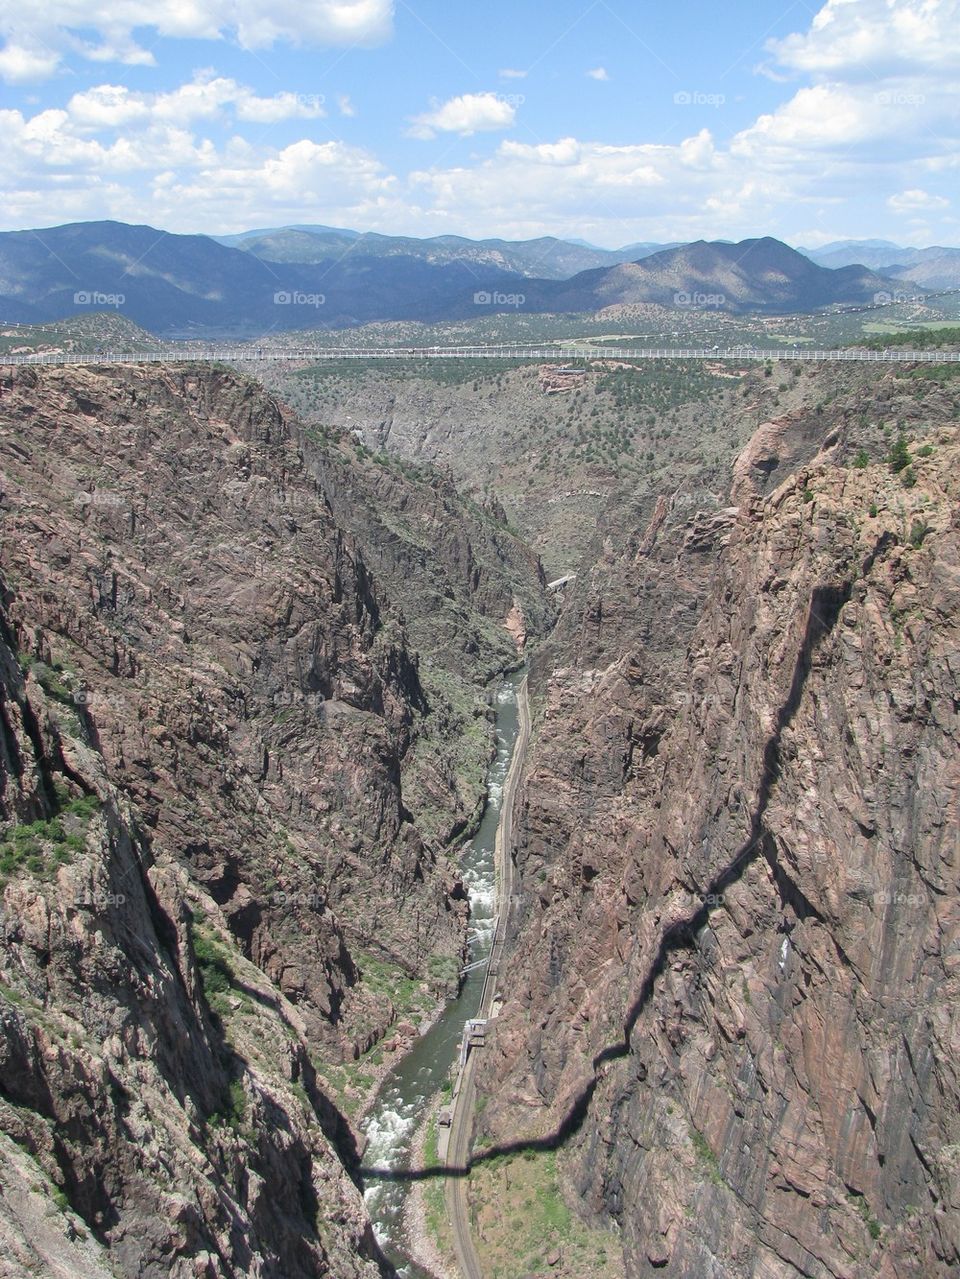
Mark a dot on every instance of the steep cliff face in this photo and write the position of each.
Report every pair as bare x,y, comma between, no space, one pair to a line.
471,594
159,1110
224,787
227,655
733,992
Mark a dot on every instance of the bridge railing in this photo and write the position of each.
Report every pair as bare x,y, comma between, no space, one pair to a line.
566,353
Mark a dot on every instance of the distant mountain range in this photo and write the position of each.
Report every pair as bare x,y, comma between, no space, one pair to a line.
544,258
191,284
762,275
324,277
937,267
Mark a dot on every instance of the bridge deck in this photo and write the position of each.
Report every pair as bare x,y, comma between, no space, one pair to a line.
583,351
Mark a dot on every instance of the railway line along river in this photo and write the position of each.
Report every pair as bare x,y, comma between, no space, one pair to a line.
391,1126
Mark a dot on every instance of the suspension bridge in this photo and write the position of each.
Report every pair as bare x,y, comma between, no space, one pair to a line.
564,353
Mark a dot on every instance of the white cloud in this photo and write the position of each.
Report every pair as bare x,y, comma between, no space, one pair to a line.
305,171
566,151
870,36
314,181
819,118
120,48
470,113
282,106
107,106
511,73
21,63
39,35
112,106
870,129
598,73
884,92
50,146
569,183
166,175
699,151
143,157
916,201
345,106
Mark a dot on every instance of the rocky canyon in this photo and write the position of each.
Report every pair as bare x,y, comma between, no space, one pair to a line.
229,786
247,664
735,961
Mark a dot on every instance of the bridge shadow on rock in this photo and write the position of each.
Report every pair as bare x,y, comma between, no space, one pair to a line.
825,605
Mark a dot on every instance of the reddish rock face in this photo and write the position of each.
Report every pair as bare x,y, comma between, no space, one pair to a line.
228,759
230,658
734,985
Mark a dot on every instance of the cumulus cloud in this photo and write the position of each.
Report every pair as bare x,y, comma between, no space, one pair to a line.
872,108
565,152
874,37
312,181
569,182
48,165
22,62
884,91
112,106
598,73
303,174
916,201
819,118
469,113
38,36
49,147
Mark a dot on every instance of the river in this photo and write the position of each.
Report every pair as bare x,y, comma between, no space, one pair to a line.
398,1111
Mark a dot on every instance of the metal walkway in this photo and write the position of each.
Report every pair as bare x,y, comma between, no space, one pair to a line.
541,354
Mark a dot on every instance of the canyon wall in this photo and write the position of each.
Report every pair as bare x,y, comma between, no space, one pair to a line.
734,976
227,785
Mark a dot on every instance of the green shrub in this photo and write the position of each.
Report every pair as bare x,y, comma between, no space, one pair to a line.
918,532
917,339
874,1229
233,1112
898,459
41,846
213,963
48,677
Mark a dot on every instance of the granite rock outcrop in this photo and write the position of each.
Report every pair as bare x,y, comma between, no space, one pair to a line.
734,970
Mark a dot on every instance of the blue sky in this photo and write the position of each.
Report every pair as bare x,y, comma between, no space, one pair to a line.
611,122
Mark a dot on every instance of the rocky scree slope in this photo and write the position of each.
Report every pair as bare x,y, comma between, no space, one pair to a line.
732,999
210,723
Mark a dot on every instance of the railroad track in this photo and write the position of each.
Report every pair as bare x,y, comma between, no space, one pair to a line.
461,1126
